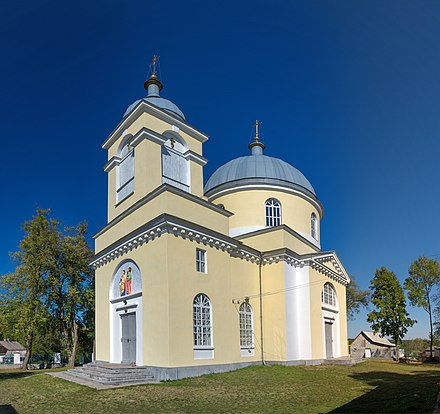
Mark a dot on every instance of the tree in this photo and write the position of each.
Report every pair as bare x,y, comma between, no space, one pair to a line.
50,296
424,276
390,316
355,298
26,288
71,288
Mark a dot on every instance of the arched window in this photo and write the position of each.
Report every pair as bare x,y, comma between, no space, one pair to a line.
202,317
328,295
273,212
125,172
175,167
314,226
246,326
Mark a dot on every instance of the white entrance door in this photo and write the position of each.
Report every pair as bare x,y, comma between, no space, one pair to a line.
128,338
329,339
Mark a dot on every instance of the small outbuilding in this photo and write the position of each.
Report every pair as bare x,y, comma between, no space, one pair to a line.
12,347
370,345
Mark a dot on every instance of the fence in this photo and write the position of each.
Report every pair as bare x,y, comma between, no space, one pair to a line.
45,360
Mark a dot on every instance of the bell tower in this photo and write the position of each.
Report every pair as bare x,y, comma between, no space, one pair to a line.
151,146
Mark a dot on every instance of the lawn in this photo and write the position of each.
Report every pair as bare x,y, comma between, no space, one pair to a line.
369,387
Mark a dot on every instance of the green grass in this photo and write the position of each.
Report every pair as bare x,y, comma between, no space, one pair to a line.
370,387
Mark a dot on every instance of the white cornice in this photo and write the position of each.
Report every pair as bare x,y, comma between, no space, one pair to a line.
193,156
172,225
142,107
169,225
153,136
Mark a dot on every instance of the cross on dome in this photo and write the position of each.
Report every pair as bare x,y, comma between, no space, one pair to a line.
153,85
257,146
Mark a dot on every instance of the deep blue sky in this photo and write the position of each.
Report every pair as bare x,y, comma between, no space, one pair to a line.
348,92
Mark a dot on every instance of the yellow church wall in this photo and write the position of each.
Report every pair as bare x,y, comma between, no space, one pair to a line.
317,281
341,295
277,239
103,277
274,314
196,171
166,202
147,177
221,287
155,300
249,210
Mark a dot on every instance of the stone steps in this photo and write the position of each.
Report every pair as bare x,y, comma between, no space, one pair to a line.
111,375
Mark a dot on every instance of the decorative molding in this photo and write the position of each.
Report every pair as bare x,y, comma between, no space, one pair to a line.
296,260
113,162
167,224
193,156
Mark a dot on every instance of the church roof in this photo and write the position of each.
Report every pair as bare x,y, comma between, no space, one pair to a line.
161,103
153,86
261,168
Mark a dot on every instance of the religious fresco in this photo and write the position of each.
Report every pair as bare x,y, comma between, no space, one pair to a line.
126,280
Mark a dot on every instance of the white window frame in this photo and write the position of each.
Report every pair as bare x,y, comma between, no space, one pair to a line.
201,261
273,212
246,320
123,190
314,226
202,322
328,295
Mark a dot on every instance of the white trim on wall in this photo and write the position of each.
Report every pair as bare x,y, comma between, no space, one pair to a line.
298,321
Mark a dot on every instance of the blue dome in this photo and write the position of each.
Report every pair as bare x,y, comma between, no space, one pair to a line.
257,168
161,103
153,86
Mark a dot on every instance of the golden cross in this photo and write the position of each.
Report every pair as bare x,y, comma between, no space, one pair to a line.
153,64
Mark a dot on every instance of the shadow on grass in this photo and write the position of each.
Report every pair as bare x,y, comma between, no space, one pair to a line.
7,409
15,375
395,393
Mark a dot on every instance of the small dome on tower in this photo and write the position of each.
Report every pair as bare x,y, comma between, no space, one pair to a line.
153,86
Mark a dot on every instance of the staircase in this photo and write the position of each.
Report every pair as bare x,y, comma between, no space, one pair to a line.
103,375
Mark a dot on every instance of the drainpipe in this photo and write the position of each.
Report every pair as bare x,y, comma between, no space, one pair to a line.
260,275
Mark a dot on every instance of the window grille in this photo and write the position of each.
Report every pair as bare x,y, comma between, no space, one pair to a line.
328,295
202,321
273,212
246,326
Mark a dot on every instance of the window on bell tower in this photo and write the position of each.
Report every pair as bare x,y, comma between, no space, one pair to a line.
175,167
125,172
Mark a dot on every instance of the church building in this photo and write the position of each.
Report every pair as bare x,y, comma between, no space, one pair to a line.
195,277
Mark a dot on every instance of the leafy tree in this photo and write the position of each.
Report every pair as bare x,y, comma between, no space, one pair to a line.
71,288
48,301
355,298
25,288
424,276
390,316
